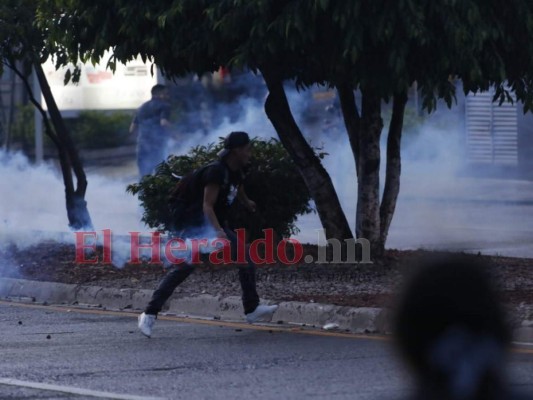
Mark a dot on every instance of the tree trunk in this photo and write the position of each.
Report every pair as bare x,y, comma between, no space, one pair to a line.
314,174
352,122
394,166
77,212
3,123
11,113
368,219
352,119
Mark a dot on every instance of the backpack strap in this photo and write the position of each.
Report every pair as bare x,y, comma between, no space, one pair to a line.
226,175
226,170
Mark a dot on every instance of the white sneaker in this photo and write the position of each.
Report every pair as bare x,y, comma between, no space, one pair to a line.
146,323
261,313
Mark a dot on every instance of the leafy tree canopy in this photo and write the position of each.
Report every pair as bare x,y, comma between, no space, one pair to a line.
381,46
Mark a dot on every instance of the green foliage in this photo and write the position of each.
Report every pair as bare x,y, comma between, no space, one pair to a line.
412,120
272,181
90,130
23,128
94,129
19,41
378,46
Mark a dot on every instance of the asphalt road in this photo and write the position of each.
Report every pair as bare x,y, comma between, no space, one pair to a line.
102,352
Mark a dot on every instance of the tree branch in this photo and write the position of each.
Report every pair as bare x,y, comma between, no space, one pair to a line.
62,132
352,119
48,128
394,165
316,177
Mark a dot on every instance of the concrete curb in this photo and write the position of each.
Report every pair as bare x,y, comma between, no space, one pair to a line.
357,320
352,319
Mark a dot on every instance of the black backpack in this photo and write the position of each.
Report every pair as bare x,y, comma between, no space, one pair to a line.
181,201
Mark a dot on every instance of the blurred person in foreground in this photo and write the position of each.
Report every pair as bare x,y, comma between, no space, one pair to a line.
451,328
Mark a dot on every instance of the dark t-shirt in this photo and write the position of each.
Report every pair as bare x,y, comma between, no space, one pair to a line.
218,173
149,117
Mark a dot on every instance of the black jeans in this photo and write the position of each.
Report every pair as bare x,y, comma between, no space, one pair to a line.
178,274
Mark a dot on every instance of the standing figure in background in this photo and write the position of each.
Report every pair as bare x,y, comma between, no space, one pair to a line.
151,124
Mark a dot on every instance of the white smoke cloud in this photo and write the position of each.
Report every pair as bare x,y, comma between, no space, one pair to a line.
124,247
440,205
253,120
31,195
32,209
437,204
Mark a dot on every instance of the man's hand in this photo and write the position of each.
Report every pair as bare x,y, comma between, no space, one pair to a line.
221,234
245,201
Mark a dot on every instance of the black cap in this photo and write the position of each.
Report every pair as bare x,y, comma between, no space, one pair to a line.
233,141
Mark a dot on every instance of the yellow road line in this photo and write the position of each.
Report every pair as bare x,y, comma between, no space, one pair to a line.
226,324
520,350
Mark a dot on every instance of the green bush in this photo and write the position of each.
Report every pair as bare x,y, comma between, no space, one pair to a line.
96,129
23,128
272,181
89,130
